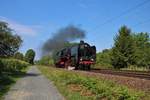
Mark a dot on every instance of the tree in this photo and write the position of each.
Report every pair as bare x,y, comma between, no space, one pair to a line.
142,52
46,60
123,49
9,43
29,56
19,56
103,59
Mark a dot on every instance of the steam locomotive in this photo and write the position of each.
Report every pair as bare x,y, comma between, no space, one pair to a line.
80,56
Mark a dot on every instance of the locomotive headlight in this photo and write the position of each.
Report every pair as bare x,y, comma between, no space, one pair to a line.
80,59
92,59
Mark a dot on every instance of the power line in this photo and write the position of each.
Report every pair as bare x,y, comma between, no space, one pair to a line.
145,21
122,14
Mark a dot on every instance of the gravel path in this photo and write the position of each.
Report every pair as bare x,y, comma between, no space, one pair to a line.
33,86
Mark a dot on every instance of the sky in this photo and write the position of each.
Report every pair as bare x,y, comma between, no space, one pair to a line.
37,20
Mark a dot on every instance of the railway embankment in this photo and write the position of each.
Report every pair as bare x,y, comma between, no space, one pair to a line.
138,83
82,85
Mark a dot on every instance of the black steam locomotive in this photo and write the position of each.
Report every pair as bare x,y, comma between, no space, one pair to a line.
80,56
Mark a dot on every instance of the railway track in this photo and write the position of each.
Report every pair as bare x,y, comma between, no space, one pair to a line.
135,74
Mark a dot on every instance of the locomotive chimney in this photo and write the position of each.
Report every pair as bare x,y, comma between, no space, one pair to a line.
81,42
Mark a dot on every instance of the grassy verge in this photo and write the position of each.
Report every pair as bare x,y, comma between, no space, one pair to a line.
7,79
75,86
135,68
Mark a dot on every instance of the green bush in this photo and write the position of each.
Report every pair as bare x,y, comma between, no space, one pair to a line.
103,59
46,60
18,55
13,64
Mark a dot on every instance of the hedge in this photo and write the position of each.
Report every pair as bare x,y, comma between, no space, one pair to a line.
12,65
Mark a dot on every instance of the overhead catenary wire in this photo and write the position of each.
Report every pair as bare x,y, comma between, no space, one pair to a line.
121,14
140,23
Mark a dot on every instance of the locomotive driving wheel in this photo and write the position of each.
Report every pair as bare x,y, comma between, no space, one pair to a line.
66,65
84,67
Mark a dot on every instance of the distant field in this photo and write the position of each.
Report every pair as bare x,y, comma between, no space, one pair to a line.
75,86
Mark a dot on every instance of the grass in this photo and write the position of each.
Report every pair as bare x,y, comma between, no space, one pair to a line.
75,86
7,79
98,66
135,68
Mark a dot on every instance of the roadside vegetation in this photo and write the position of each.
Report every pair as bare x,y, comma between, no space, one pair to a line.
75,86
103,59
13,64
12,70
45,60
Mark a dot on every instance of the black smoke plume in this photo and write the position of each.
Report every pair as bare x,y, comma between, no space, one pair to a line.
61,37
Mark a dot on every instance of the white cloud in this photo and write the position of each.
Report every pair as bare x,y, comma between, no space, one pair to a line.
21,29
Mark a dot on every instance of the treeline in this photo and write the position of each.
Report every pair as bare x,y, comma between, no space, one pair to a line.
46,60
10,58
129,50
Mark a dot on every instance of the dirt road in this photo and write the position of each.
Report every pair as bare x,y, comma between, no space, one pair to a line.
33,86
